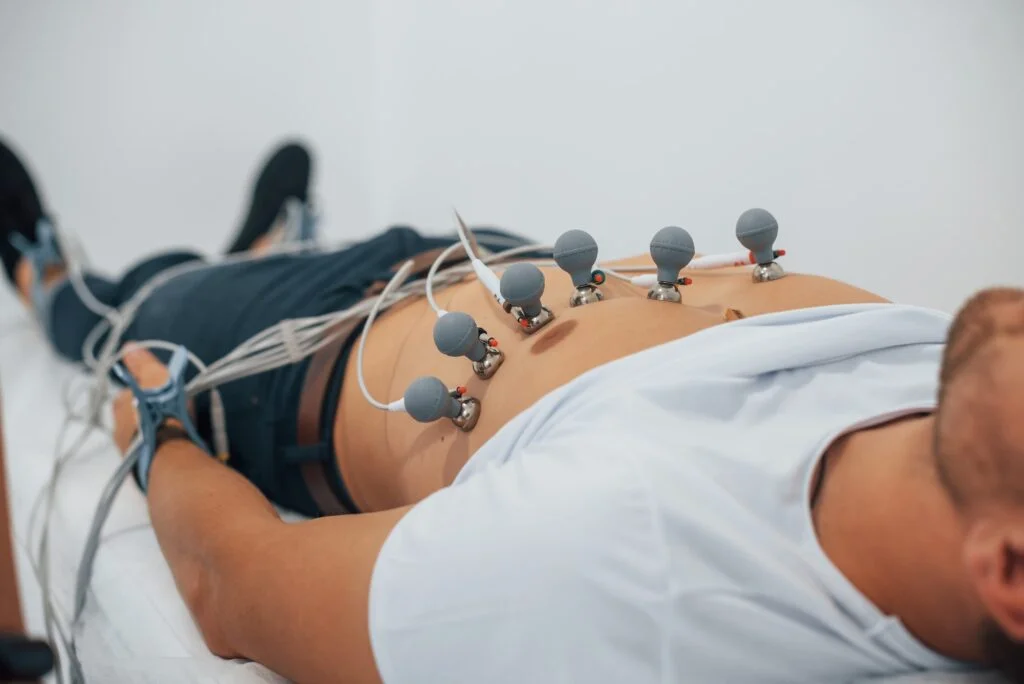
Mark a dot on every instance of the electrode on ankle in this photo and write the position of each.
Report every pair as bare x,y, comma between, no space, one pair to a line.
300,222
42,254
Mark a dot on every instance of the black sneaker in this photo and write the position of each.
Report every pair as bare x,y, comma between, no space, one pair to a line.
285,175
20,208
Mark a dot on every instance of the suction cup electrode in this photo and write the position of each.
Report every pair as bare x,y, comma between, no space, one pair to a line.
671,249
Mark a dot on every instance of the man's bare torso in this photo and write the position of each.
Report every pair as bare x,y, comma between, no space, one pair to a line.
389,460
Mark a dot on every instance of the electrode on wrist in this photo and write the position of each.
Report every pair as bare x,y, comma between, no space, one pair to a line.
169,432
155,406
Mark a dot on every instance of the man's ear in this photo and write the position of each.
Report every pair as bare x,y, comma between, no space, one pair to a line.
994,556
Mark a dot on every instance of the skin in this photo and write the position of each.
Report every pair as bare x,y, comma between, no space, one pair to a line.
216,530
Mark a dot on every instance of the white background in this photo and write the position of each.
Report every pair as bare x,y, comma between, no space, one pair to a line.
885,135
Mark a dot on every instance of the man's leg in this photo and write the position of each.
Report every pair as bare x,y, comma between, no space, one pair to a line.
284,175
67,319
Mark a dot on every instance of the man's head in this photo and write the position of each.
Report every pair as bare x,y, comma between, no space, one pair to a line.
979,452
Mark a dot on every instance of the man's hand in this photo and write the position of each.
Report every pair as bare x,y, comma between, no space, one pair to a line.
150,374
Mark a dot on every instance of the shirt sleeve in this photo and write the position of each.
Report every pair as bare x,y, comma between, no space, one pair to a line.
547,568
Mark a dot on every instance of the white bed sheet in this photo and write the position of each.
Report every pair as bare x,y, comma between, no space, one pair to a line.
136,627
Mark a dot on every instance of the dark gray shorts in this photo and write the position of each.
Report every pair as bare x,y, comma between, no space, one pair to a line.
212,310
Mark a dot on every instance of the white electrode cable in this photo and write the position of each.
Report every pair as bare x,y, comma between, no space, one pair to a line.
432,273
41,566
395,281
77,279
264,350
115,323
702,263
485,275
466,237
106,501
492,258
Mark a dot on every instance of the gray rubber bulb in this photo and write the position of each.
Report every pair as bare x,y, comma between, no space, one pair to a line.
427,400
757,230
671,249
457,334
522,285
576,253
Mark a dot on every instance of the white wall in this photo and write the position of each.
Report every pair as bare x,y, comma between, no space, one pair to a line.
884,134
144,120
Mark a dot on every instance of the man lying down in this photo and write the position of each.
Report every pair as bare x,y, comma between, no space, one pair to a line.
827,490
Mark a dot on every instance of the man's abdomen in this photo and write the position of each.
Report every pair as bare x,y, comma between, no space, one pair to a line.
388,459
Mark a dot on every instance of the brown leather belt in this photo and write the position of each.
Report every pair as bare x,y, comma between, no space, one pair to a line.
318,473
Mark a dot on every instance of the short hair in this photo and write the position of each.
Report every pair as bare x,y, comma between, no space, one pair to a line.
975,454
984,318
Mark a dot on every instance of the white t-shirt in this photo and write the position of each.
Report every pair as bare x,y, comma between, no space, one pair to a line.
650,521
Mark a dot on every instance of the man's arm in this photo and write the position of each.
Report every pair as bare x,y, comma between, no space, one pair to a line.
526,572
292,597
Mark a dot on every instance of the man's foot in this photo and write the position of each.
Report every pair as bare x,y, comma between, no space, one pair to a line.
20,209
285,176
